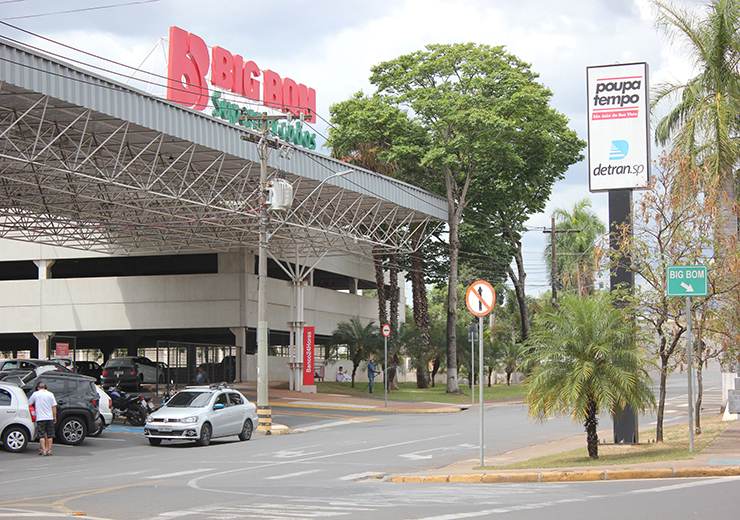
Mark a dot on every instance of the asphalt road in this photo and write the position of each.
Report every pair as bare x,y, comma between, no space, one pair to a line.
331,467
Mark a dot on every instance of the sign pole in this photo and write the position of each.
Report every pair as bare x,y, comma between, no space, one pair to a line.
480,384
386,332
385,376
689,348
472,372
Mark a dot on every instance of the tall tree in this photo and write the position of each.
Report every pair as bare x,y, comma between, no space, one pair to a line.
577,232
705,120
584,359
490,130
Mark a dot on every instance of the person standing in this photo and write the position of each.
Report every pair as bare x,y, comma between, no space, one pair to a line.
371,372
201,378
46,416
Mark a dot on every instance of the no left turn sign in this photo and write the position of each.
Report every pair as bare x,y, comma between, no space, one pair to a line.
480,298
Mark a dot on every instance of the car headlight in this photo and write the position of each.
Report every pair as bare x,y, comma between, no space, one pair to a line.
149,418
190,419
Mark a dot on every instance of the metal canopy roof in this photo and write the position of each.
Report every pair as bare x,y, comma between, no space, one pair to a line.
86,162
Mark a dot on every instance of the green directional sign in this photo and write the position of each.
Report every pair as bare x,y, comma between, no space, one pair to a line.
687,280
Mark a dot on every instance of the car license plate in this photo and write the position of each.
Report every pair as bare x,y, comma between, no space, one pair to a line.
119,374
165,428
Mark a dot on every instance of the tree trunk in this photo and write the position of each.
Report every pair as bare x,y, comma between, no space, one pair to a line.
661,399
380,283
454,221
420,304
591,423
699,384
518,279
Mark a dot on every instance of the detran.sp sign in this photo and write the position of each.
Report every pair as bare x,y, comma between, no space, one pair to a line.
187,82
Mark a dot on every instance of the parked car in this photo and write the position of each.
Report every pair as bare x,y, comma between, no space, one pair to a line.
77,401
202,413
131,371
30,364
104,407
89,368
17,426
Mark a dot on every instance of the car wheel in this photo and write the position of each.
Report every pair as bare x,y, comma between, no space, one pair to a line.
15,439
246,432
100,429
154,442
72,431
205,435
137,416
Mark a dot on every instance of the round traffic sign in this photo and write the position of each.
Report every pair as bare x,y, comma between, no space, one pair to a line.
386,330
480,298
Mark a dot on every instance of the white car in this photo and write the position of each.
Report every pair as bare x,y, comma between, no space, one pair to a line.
104,407
202,413
17,425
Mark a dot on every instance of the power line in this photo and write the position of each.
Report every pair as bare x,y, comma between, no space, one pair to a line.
82,9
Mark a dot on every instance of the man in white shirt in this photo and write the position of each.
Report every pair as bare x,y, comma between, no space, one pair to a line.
46,416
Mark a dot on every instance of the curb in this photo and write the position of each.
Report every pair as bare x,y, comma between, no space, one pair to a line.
369,408
572,476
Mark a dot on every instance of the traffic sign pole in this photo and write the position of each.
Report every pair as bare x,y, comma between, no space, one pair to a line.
689,348
386,333
480,384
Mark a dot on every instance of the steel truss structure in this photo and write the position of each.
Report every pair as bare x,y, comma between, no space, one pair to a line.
74,175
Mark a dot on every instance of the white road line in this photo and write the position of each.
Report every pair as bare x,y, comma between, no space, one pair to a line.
180,473
291,475
325,425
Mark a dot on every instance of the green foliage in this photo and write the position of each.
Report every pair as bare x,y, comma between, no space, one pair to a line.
361,340
584,359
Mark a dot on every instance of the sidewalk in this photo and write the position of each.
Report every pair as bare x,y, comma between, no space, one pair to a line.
721,458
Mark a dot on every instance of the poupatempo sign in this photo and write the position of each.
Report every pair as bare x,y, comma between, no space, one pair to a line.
618,145
189,64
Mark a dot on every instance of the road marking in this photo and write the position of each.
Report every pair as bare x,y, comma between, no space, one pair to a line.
195,482
326,425
325,416
291,475
310,404
181,473
292,454
358,476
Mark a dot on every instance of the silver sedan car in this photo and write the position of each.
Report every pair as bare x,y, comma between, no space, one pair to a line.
202,413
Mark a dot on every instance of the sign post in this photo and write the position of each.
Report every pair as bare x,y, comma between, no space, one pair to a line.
480,299
386,333
688,281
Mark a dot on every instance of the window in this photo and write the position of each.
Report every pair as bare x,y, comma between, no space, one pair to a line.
235,399
221,399
5,398
55,386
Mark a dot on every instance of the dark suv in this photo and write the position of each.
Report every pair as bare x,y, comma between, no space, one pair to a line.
77,401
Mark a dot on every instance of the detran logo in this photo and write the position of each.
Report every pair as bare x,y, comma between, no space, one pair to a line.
619,150
190,61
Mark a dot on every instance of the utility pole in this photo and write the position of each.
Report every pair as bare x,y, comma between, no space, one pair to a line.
263,408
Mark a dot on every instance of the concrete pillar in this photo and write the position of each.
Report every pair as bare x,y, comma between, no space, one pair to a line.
43,339
240,333
44,267
352,282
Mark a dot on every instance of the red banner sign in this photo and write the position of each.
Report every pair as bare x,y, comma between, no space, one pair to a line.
62,349
308,359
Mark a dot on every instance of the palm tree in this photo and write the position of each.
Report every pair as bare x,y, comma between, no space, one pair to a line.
705,120
576,235
584,359
361,340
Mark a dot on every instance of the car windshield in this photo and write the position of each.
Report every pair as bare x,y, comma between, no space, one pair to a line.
189,400
120,362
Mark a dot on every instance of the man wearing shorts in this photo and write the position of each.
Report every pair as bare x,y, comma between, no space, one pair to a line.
46,416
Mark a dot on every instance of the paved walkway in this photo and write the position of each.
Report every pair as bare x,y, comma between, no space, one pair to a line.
721,458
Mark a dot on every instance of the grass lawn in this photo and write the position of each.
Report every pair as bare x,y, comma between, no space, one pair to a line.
675,446
409,392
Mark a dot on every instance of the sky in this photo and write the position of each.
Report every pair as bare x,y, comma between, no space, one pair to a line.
331,46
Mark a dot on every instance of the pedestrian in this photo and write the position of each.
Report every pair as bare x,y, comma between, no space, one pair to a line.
371,372
46,416
201,378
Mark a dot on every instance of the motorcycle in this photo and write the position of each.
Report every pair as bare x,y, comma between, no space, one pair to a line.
134,408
